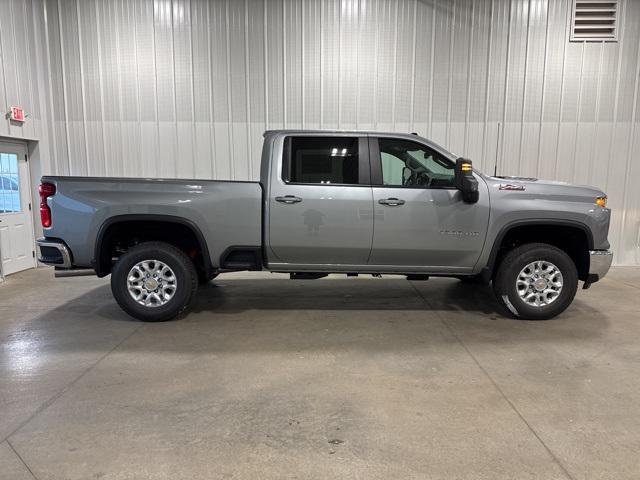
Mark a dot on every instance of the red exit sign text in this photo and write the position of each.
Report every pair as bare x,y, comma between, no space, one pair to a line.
17,114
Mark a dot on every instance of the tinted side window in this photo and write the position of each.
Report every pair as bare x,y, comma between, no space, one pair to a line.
408,164
321,160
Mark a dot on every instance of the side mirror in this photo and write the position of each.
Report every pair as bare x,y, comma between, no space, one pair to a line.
465,181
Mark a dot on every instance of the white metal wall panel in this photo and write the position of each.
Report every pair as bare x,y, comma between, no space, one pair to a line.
145,54
183,88
329,64
9,42
237,75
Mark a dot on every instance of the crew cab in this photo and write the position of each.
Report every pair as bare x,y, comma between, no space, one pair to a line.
330,202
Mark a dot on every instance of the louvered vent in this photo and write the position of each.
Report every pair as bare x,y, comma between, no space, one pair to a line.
594,21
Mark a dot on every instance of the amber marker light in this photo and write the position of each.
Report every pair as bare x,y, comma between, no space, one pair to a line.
601,201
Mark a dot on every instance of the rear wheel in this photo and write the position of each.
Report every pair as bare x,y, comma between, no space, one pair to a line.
536,281
154,281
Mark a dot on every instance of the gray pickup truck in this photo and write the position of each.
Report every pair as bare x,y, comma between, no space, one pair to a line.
330,202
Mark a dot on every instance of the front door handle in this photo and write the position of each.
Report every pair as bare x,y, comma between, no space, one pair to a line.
392,202
288,199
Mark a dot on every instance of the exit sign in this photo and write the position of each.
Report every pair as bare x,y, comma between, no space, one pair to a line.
16,114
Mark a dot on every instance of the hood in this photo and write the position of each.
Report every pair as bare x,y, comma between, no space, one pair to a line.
542,187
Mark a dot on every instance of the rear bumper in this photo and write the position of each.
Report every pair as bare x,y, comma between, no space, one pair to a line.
54,252
599,264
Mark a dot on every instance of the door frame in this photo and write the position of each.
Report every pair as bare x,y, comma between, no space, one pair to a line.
21,147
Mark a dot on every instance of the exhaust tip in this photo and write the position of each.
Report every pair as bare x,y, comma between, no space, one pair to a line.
73,272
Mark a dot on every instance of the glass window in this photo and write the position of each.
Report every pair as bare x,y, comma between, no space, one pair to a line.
9,183
321,160
408,164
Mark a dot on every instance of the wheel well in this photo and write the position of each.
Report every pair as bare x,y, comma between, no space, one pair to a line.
118,237
572,240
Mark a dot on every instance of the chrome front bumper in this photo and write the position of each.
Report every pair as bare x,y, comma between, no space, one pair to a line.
55,253
599,263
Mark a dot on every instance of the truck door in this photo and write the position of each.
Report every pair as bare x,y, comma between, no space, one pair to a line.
420,218
320,201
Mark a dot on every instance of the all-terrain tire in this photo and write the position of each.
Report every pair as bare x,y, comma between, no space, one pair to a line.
506,284
184,274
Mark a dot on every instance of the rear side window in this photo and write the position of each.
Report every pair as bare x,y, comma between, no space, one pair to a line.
321,160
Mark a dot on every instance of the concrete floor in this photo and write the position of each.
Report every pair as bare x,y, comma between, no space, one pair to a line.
334,378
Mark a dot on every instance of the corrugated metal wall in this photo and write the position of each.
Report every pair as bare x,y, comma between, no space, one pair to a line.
185,88
19,74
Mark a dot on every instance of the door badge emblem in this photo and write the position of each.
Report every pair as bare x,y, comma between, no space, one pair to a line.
512,186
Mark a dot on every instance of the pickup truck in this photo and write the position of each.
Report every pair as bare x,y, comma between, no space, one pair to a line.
330,202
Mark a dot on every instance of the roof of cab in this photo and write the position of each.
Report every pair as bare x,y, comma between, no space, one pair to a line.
290,131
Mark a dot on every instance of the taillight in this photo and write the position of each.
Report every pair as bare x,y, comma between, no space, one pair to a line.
45,190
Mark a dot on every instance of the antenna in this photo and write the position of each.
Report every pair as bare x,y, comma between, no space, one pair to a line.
495,165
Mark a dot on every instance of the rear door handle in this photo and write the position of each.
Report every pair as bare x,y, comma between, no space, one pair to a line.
288,199
392,202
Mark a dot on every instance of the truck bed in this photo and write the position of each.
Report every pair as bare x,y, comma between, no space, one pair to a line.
227,213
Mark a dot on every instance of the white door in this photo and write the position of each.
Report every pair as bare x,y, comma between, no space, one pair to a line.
16,227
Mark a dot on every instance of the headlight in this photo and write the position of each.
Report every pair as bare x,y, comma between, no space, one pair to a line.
601,201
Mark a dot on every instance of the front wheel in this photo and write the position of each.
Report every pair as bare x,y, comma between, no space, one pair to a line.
154,281
536,281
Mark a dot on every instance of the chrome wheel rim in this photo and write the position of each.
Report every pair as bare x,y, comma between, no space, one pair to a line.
151,283
539,283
